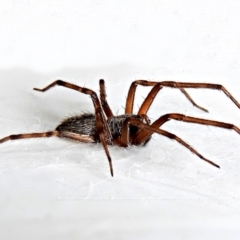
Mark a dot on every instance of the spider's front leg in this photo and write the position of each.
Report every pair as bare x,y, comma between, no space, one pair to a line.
157,86
150,97
181,85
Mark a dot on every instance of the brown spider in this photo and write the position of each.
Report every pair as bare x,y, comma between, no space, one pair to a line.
127,129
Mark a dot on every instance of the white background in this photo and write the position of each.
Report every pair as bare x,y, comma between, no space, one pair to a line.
58,189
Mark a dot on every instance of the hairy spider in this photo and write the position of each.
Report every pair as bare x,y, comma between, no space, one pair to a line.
127,129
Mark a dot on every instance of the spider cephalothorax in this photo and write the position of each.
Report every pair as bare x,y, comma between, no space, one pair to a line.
127,129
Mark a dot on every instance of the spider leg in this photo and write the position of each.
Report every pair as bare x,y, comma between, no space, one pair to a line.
180,85
143,134
123,139
191,100
152,129
126,137
132,90
102,126
70,135
98,109
30,135
89,139
77,137
102,138
103,99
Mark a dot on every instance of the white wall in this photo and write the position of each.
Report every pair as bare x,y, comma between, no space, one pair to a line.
58,189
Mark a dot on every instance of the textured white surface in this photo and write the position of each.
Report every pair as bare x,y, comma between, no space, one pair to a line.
58,189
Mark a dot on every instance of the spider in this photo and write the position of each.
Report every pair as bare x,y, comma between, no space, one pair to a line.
127,129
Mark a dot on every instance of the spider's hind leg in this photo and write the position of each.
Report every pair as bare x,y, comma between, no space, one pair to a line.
77,137
29,135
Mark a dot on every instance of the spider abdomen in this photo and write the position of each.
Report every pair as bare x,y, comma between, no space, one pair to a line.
84,124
